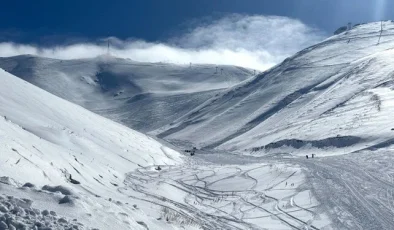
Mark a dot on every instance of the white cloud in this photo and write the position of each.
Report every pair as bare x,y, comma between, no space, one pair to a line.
251,41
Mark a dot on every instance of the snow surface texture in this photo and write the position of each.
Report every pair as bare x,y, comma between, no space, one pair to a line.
144,96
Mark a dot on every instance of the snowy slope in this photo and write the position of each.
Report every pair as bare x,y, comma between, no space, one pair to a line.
336,95
45,139
121,89
344,82
334,98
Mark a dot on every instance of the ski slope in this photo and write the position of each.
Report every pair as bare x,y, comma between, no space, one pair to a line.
143,96
332,98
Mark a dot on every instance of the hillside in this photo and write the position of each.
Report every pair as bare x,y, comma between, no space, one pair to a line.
143,96
334,97
345,81
65,167
47,141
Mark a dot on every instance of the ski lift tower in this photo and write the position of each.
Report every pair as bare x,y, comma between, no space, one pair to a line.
108,54
349,26
381,31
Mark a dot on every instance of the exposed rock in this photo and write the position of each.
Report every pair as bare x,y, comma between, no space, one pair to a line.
65,200
28,185
3,208
45,213
63,190
3,225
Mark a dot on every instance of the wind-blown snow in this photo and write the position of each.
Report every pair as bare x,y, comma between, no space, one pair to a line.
251,41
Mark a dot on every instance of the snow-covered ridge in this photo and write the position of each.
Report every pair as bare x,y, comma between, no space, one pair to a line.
144,96
340,87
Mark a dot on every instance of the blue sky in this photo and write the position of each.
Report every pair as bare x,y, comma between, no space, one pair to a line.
180,26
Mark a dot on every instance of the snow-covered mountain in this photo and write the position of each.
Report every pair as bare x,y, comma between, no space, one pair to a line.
334,98
335,95
144,96
324,97
48,141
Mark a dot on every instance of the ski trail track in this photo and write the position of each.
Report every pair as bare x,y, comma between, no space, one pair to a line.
355,190
224,196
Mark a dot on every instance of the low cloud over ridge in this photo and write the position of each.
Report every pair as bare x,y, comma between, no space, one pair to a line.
250,41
